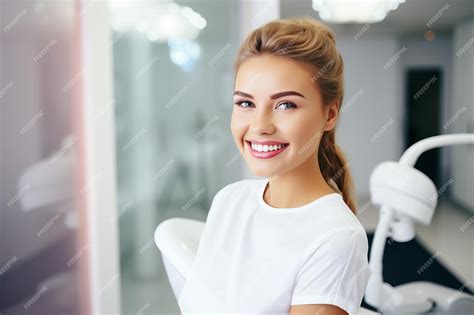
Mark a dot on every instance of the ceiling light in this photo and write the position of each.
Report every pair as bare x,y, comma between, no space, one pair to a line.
354,11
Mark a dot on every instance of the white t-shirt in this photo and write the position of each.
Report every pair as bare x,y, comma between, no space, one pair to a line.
254,258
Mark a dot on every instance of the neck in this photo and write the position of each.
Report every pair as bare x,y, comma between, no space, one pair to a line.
297,187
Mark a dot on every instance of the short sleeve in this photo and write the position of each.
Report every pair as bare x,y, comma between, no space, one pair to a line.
336,272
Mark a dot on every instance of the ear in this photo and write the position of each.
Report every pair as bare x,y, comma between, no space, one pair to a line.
331,116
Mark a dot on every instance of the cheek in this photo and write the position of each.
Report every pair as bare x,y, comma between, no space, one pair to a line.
304,134
237,127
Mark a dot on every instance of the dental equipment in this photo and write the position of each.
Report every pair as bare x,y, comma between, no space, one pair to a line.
407,196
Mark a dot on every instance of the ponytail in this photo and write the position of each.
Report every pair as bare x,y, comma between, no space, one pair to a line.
335,169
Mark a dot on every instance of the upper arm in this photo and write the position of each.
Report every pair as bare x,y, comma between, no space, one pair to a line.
314,309
335,274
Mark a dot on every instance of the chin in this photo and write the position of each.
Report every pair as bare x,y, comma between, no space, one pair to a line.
262,172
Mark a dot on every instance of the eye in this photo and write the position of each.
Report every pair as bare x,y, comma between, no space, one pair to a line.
287,104
241,104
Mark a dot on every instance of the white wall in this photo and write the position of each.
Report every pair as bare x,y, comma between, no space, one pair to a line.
372,105
461,118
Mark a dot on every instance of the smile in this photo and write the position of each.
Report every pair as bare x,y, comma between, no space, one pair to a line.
266,151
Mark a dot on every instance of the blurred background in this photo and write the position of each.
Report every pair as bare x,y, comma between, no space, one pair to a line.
115,116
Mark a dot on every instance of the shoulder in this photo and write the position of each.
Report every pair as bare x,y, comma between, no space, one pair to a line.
334,218
346,240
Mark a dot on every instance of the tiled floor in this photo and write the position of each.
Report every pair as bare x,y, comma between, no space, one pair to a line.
445,235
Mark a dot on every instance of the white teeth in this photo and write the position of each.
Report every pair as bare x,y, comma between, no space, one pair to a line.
267,148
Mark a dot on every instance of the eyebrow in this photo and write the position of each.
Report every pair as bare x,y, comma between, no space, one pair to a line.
274,96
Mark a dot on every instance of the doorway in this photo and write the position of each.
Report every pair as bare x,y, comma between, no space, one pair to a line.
423,100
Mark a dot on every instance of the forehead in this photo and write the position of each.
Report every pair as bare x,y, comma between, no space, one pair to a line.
267,73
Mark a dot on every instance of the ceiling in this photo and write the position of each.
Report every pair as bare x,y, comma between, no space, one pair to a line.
409,19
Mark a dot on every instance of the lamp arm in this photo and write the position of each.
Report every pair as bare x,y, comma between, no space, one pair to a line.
375,294
411,155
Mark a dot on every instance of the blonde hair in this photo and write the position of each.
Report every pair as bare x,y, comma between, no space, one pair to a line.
313,45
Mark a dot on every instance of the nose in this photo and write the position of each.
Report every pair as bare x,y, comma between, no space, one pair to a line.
263,123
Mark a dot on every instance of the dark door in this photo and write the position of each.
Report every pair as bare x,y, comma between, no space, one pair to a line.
423,105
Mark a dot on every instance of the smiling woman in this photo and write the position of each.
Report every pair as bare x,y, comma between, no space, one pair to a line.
289,243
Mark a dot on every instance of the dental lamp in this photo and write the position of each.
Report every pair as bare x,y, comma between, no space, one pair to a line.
407,196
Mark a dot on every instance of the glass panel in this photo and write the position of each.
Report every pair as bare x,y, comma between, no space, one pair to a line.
173,98
41,247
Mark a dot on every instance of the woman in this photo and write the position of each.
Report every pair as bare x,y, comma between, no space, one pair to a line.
289,243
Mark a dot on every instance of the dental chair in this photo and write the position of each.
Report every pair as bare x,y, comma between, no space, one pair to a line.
178,240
